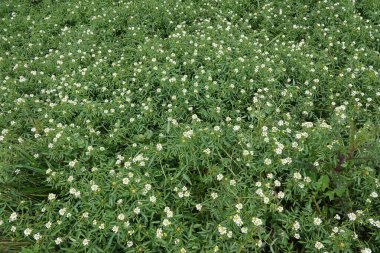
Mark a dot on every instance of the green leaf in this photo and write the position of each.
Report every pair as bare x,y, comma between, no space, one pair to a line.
340,191
186,177
323,183
330,194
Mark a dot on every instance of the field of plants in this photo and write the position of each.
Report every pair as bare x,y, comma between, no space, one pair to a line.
190,126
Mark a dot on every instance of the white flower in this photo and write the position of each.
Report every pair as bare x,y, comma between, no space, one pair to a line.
239,206
169,214
152,199
159,147
375,223
129,244
115,229
188,134
27,232
159,233
48,225
257,221
125,180
297,236
85,242
317,221
374,194
219,177
237,220
136,210
94,187
297,176
280,195
222,230
267,161
307,124
13,217
62,211
214,195
352,216
244,230
74,192
366,250
72,163
51,196
77,194
216,128
207,151
319,245
58,240
166,222
121,217
296,225
198,207
37,236
307,179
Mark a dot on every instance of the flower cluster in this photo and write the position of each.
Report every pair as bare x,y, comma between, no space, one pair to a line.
189,126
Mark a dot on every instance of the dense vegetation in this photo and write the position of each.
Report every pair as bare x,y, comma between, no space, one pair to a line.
189,126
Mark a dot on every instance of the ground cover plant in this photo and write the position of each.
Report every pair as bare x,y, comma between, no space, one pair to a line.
189,126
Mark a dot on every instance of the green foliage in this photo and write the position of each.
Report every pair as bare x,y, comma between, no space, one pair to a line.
189,126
